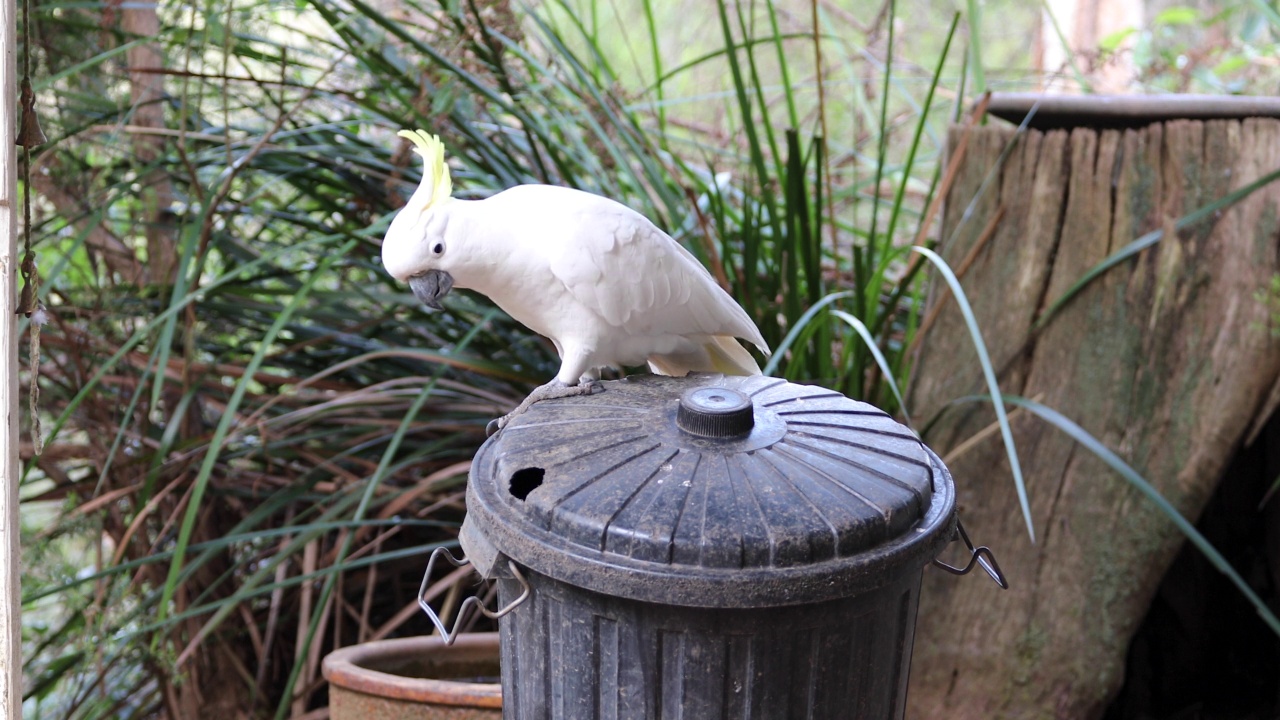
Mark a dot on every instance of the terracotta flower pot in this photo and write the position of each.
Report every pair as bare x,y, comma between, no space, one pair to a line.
416,678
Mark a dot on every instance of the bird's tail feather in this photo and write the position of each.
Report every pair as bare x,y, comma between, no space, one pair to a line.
730,357
721,353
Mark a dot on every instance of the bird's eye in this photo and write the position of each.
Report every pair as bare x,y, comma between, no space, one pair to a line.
438,248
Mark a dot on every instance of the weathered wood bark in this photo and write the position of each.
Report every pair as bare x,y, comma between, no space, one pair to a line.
146,61
1169,359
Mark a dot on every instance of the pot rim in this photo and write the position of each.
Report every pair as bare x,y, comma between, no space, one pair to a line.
345,668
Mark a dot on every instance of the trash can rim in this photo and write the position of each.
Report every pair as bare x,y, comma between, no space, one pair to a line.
545,553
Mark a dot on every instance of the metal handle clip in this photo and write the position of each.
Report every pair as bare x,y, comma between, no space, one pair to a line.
470,602
981,555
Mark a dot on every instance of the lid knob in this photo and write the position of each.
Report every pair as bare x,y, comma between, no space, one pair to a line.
715,412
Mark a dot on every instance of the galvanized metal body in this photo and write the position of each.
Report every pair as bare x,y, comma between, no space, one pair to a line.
771,574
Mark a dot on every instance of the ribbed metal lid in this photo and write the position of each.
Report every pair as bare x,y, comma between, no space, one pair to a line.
712,491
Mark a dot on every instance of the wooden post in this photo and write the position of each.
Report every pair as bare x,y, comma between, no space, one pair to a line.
10,597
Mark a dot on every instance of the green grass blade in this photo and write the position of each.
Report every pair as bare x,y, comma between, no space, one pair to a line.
655,52
122,432
1271,491
796,253
179,297
747,116
1105,454
975,47
1151,238
775,34
886,369
762,104
909,165
794,332
745,44
870,288
1267,11
989,373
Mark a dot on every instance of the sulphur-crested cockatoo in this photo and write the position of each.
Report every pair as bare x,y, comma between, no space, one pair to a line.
602,282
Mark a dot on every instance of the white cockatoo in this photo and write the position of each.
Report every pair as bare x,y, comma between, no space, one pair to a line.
602,282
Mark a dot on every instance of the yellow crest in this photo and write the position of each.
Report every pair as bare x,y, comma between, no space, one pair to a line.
435,171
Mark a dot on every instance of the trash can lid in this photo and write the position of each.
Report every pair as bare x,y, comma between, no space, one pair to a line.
712,491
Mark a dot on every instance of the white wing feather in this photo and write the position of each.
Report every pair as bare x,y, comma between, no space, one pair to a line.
653,286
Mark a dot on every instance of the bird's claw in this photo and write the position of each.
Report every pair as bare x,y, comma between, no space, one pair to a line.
550,391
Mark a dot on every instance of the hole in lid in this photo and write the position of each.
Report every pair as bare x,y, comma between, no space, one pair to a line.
525,481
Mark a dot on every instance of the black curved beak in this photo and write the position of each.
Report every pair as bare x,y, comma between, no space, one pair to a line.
430,286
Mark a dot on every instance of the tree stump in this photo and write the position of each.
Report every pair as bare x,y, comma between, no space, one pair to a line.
1171,359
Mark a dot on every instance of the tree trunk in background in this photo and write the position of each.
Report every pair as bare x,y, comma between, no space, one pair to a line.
1084,24
147,88
1170,359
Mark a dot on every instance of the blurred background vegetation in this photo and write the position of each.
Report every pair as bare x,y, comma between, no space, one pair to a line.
252,438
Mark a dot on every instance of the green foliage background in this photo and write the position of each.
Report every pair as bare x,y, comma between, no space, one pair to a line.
254,437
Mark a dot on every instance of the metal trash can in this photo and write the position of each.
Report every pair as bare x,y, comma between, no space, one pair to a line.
706,547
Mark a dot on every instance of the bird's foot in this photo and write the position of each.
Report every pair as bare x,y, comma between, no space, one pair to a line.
550,391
